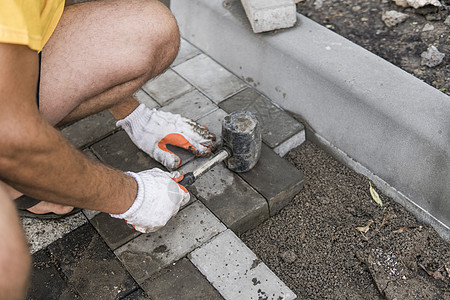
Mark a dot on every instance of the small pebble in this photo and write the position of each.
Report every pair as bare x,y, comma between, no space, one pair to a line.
432,57
428,27
288,256
356,8
364,19
447,21
392,18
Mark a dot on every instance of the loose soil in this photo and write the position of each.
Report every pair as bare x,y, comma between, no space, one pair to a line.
315,246
360,21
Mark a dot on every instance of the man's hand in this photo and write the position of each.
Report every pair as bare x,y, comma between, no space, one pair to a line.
158,199
153,130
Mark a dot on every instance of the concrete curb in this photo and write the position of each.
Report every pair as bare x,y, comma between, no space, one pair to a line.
382,118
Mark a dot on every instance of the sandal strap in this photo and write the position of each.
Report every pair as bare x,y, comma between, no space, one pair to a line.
25,202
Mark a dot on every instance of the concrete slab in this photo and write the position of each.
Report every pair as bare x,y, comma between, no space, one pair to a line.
274,178
186,52
41,233
214,123
90,129
166,86
231,199
115,232
349,97
149,253
268,15
89,266
181,280
120,152
45,280
192,105
236,272
210,78
276,125
142,97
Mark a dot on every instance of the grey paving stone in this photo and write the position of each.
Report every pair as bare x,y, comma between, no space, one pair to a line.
276,179
270,14
291,143
115,232
181,280
41,233
187,51
214,123
120,152
192,105
137,295
144,98
167,86
46,282
236,272
231,199
90,267
210,78
90,129
276,125
148,253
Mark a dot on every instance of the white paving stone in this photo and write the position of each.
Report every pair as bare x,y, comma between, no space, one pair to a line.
189,229
290,144
167,86
192,105
41,233
144,98
235,271
187,51
210,78
267,15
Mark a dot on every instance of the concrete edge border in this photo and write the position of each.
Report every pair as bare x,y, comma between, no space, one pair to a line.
388,122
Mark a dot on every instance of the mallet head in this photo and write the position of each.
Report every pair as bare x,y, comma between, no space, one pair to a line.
241,133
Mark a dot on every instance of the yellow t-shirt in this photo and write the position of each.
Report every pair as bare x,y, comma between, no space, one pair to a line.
29,22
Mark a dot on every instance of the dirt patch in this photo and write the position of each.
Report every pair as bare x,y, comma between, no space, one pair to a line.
333,241
361,22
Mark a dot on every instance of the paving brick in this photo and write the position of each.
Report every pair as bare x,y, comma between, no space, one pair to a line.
187,51
90,267
276,125
231,199
210,78
167,86
144,98
41,233
181,280
267,15
120,152
115,232
291,143
149,253
214,123
276,179
192,105
137,295
236,272
46,282
90,129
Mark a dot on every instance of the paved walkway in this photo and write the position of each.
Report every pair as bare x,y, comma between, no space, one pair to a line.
198,255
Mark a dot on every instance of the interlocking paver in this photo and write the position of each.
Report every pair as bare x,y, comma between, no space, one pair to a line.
235,271
46,282
144,98
120,152
210,78
181,280
270,14
166,86
276,125
192,105
90,267
276,179
187,51
90,129
115,232
291,143
148,253
214,123
231,199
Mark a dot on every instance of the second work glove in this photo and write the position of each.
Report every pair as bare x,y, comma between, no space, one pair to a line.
158,199
153,130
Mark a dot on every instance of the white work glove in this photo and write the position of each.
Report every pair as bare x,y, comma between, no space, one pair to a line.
153,130
158,199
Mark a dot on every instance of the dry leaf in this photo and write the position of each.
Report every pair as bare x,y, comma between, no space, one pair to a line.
448,270
302,236
400,230
364,229
375,195
387,218
436,274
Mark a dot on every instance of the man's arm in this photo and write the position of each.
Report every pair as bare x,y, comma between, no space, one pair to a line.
36,159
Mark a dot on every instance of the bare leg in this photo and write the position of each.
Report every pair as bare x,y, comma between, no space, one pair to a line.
100,54
14,254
